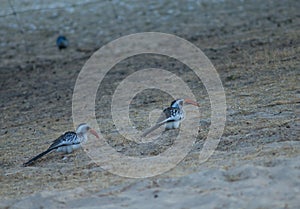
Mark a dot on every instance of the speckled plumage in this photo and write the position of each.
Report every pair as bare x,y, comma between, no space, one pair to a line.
171,117
67,143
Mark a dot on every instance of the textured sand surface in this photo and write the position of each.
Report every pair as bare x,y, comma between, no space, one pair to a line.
254,45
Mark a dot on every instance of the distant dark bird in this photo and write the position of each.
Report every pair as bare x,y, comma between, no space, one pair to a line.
62,42
172,116
67,142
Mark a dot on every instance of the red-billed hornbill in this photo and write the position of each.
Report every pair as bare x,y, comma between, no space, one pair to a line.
67,142
172,116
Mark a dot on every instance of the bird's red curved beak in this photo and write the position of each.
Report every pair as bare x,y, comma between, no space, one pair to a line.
94,133
189,101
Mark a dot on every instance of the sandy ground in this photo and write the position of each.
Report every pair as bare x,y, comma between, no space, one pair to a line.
254,45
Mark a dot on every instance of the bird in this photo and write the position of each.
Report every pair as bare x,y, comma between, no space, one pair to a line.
67,142
171,116
62,42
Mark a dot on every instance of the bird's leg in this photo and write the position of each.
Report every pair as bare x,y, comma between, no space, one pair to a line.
64,158
76,161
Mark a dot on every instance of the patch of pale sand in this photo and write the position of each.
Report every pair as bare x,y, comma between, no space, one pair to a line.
246,185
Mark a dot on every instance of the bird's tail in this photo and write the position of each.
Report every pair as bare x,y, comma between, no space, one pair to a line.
37,157
151,129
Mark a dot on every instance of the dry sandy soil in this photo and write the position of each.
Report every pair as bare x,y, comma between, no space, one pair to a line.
254,46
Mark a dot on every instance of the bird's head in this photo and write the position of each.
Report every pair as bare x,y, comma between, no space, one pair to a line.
84,128
180,102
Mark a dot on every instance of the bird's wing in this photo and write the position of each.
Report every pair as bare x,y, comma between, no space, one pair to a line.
169,114
68,138
165,116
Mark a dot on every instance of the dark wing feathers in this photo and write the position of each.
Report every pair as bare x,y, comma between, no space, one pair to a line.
68,138
168,115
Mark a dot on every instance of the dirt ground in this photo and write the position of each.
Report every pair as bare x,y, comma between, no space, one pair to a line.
254,46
